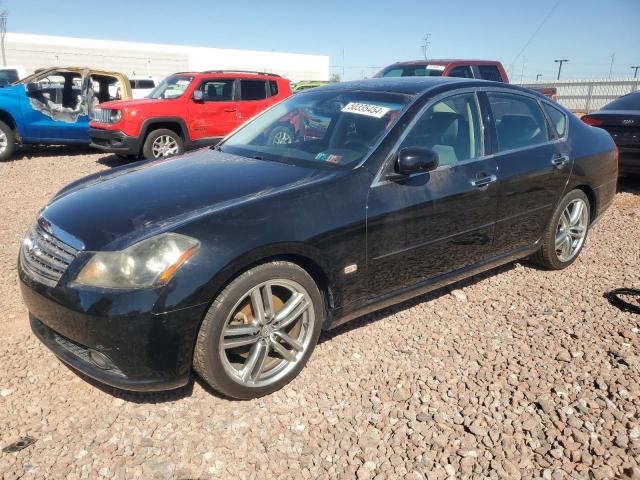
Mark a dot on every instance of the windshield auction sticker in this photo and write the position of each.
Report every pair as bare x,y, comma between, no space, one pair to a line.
366,109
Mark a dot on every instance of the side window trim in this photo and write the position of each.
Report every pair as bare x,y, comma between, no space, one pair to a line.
517,94
543,104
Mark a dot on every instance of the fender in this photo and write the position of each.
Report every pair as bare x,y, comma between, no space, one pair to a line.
150,122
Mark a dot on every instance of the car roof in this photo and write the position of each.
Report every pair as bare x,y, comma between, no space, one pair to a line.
415,86
234,73
448,61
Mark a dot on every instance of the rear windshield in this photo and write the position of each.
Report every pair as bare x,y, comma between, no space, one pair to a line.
628,102
412,71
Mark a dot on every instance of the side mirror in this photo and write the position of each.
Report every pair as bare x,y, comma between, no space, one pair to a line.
416,159
31,87
198,96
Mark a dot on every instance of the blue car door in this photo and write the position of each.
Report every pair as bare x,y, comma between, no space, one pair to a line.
55,108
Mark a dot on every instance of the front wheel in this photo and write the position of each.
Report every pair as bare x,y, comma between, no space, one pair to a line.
7,142
162,143
260,331
565,235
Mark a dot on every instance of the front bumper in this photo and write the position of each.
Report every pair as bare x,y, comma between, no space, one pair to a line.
629,160
114,141
143,351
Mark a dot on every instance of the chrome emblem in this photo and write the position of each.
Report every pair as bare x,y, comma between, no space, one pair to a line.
45,225
628,121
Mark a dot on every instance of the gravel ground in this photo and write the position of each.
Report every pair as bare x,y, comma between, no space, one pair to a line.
517,373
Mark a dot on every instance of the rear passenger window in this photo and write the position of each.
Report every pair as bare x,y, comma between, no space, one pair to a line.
273,87
519,121
490,72
464,72
253,90
558,118
451,128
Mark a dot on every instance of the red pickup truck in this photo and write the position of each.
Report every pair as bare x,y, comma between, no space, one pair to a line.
186,110
484,69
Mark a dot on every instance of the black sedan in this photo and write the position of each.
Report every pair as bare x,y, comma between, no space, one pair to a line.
621,118
230,261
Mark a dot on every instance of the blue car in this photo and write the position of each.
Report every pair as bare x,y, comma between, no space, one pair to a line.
53,106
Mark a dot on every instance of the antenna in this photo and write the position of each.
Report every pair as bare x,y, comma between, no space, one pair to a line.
425,45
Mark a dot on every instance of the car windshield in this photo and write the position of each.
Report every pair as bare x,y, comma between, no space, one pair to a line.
627,102
337,128
412,71
171,87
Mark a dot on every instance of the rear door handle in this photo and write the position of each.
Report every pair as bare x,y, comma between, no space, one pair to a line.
229,110
483,181
560,160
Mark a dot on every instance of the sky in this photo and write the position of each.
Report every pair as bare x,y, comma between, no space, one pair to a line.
526,36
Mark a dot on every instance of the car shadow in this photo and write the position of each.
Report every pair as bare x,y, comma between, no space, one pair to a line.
27,152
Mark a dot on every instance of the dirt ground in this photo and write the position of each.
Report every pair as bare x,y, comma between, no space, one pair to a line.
516,373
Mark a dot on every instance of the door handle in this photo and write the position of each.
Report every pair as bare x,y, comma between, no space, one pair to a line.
483,181
229,110
560,161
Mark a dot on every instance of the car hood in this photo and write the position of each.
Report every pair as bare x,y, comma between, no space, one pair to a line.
109,211
135,103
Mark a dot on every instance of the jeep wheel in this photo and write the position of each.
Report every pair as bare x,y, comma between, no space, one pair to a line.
7,142
162,143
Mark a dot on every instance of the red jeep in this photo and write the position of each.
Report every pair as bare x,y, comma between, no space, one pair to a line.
186,110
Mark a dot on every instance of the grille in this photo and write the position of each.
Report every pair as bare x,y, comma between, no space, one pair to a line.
44,257
102,115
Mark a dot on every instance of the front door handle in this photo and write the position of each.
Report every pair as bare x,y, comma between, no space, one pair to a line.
483,181
559,161
229,110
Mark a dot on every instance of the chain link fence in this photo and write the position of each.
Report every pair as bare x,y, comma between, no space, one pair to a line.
584,96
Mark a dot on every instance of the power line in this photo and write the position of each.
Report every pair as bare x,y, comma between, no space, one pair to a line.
533,35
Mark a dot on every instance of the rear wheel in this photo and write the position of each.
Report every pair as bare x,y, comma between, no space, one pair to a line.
7,142
260,331
281,135
565,235
162,143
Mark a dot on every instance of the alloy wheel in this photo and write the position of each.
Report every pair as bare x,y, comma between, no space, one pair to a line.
571,230
282,137
3,142
267,333
163,146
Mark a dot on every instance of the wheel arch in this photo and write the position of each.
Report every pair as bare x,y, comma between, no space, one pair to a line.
175,124
591,196
7,118
299,254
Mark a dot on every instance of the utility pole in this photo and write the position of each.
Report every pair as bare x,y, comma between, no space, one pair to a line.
524,62
3,32
613,57
635,73
425,45
560,62
342,64
538,76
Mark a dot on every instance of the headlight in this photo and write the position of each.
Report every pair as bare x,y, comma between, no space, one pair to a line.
148,263
115,116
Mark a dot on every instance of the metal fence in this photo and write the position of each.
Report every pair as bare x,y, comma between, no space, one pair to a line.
588,95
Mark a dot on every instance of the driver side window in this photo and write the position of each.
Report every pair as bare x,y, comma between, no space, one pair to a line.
60,89
451,128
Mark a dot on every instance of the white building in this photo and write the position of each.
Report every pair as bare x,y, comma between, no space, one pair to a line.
155,60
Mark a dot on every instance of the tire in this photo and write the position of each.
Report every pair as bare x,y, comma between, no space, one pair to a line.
228,368
7,142
152,144
281,135
549,256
